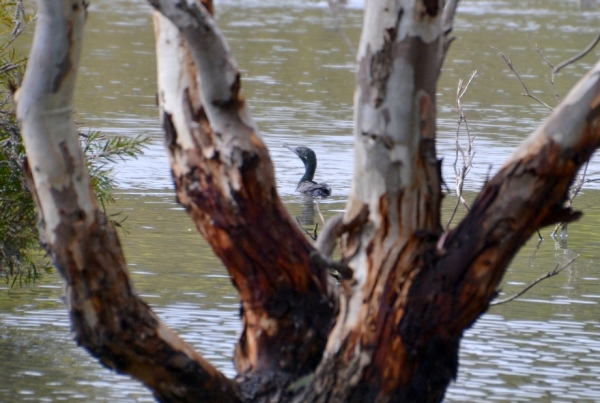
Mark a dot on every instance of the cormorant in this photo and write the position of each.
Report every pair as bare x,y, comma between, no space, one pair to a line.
306,185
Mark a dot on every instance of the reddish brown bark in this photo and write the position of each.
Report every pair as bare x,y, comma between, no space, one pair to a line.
283,290
226,183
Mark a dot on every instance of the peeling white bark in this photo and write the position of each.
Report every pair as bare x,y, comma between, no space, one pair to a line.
220,87
565,125
44,109
175,76
389,127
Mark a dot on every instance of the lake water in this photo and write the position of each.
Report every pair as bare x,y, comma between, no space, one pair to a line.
298,78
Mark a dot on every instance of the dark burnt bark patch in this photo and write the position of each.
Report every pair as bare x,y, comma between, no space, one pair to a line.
170,132
381,63
431,7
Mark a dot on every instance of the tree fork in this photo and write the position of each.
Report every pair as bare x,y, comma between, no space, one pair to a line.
224,178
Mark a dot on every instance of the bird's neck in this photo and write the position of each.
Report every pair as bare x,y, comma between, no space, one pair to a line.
309,172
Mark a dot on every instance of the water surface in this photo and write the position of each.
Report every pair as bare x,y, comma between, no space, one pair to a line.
298,78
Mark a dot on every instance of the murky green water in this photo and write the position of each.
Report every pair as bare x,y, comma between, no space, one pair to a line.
298,79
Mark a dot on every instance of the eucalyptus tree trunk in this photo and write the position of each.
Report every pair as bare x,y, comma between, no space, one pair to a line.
390,329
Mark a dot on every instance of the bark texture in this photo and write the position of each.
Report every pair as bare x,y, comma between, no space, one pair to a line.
408,291
225,179
415,290
397,179
108,318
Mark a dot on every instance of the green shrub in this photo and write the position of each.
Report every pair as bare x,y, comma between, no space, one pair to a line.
21,257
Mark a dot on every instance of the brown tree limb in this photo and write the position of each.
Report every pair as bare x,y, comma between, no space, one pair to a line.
225,180
527,193
108,318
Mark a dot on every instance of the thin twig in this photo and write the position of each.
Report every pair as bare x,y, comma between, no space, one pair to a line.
577,57
319,211
573,192
510,65
334,8
312,236
467,157
560,66
552,78
551,273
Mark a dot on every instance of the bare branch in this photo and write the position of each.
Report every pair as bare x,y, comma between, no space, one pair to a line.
509,63
573,59
553,74
551,273
447,20
312,236
448,15
467,155
334,7
573,192
556,69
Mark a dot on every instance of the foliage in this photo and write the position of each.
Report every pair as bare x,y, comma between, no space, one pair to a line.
18,230
19,245
101,153
14,19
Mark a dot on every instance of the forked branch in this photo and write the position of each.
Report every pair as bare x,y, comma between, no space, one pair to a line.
467,154
225,179
571,60
511,66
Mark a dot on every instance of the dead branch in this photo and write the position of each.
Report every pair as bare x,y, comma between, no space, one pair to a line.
560,66
553,75
573,59
510,65
573,192
312,236
468,154
551,273
447,18
335,6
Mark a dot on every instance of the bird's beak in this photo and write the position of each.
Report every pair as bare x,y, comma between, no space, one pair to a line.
292,149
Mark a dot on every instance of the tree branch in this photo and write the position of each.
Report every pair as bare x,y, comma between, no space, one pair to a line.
510,65
225,179
467,159
573,59
447,21
108,318
526,194
551,273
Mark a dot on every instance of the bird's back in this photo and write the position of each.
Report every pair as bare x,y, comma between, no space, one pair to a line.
314,189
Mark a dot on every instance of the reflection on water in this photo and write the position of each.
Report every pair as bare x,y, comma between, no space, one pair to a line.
298,79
